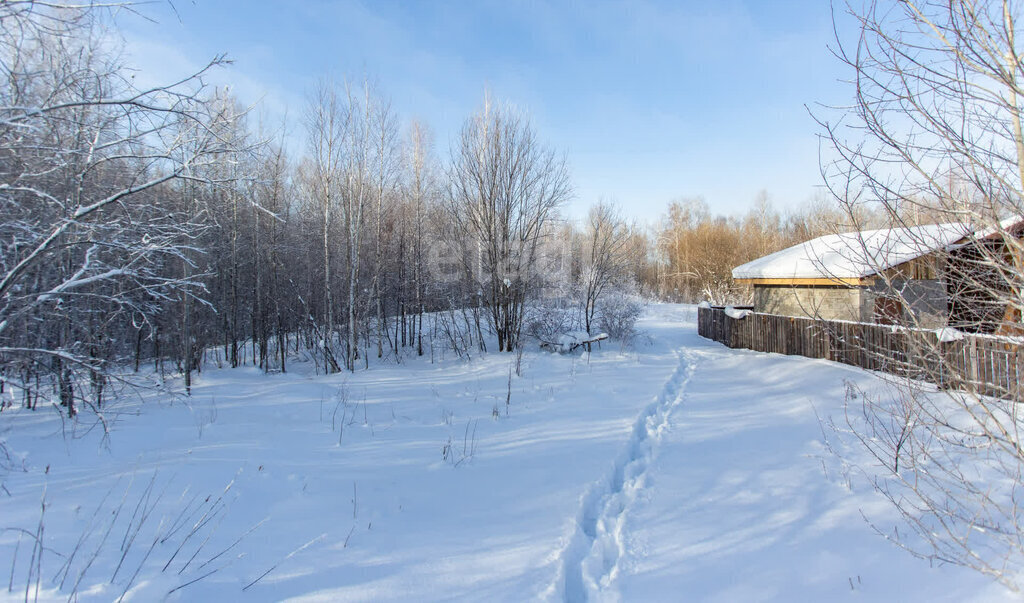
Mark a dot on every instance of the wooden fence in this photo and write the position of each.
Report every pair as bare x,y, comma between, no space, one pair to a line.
988,365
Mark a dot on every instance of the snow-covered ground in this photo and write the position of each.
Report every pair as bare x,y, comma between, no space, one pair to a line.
674,470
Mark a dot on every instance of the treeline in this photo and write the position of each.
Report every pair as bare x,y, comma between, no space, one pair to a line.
695,249
159,225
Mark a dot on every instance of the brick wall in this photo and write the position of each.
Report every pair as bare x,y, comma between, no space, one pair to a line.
924,299
828,303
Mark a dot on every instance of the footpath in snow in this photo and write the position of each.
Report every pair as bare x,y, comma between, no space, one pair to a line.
592,560
673,470
742,503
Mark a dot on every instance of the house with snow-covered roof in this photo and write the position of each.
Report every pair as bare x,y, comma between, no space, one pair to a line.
886,275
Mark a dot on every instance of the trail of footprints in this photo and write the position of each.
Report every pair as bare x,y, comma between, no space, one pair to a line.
591,561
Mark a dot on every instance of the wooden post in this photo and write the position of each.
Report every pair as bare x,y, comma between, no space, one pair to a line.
972,359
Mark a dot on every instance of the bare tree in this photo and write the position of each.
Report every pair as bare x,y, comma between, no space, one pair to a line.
608,252
421,191
384,130
934,135
273,195
87,214
328,125
505,187
359,186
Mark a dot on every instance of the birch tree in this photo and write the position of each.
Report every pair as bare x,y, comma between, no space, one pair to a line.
328,128
383,128
420,191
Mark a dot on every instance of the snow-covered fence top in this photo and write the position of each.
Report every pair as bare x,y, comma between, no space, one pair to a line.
988,365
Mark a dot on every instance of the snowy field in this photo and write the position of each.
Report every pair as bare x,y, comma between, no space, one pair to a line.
674,470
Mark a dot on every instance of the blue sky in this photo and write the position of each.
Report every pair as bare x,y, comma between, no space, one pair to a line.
650,101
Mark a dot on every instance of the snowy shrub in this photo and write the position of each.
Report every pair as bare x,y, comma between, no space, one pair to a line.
547,317
617,314
455,330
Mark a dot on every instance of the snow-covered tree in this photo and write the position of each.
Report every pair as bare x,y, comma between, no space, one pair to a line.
89,222
504,188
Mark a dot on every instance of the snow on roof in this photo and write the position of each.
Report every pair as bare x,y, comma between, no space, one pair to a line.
853,254
1008,226
1012,223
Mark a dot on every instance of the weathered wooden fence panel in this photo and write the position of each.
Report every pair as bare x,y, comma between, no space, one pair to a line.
991,366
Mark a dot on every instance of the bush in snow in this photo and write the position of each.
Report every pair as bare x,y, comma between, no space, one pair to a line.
548,317
617,315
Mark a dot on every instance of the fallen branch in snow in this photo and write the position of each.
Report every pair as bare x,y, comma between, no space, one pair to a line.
567,342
